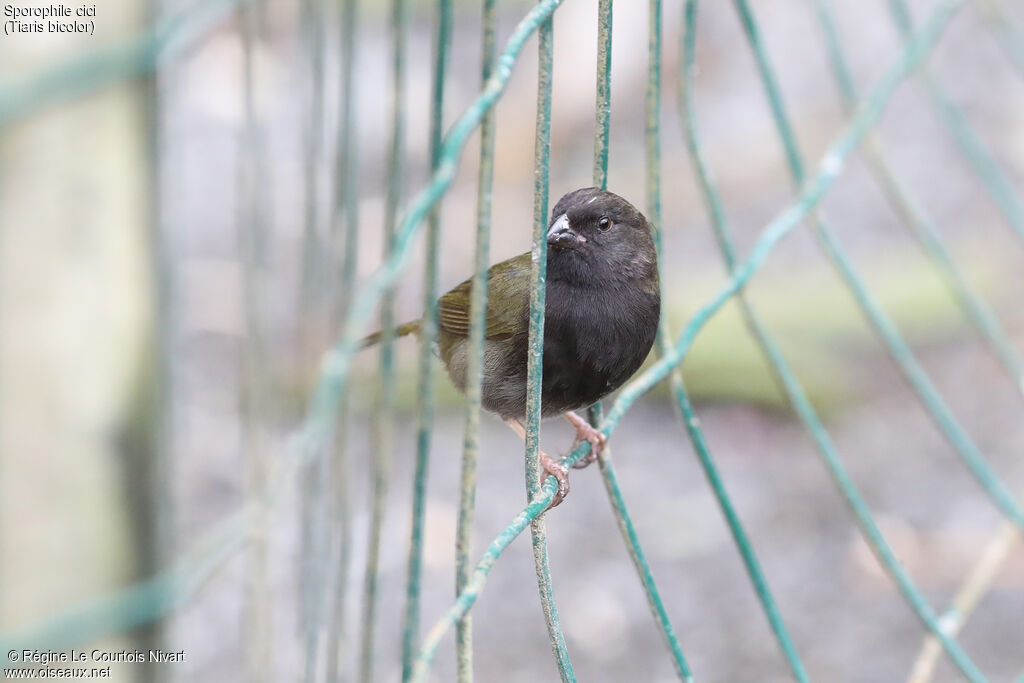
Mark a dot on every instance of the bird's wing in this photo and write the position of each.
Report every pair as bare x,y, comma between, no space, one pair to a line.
508,301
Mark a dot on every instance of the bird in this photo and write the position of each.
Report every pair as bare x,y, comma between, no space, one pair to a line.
603,306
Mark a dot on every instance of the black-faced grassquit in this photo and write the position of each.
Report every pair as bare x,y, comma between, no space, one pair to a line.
602,308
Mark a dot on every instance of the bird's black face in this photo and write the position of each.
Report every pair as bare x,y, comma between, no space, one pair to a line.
597,236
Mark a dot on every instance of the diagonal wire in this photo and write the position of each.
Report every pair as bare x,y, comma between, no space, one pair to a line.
692,424
794,391
535,353
428,339
643,568
474,360
981,576
810,195
914,216
901,353
997,183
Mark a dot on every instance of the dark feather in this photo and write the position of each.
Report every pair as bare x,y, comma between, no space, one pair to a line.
602,312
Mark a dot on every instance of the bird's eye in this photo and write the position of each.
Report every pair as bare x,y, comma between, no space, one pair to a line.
604,223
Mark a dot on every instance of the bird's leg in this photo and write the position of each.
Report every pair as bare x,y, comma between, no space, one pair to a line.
586,432
550,465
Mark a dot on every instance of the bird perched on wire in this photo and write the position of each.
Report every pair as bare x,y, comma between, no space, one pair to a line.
602,309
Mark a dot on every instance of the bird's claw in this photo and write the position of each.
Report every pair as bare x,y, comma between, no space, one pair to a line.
586,432
586,461
550,465
561,474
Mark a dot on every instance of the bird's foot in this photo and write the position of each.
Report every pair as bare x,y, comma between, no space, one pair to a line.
561,473
586,432
553,467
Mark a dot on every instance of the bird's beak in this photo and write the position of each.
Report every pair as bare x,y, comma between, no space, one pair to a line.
561,236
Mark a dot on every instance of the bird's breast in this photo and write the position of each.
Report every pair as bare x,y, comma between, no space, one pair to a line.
593,342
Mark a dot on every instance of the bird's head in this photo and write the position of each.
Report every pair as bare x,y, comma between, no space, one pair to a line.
596,236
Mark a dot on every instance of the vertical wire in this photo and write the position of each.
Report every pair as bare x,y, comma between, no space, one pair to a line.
341,357
602,124
602,131
602,127
475,357
535,355
794,390
608,475
603,97
382,428
890,336
539,16
154,433
652,189
313,276
252,239
314,500
998,184
346,212
652,131
427,363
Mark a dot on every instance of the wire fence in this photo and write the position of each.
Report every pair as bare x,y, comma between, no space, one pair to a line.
314,450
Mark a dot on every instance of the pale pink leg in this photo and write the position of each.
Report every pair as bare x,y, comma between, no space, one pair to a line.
550,465
586,432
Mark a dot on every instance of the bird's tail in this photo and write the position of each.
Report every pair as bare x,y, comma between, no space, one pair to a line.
401,331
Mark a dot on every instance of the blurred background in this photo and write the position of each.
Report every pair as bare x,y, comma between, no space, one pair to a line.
169,269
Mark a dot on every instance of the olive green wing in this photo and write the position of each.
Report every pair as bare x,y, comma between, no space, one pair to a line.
507,305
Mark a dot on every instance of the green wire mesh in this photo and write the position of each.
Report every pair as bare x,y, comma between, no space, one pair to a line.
890,336
311,446
383,419
428,338
1004,194
346,227
608,475
474,365
797,396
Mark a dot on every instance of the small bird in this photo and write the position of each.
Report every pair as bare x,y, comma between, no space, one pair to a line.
602,309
